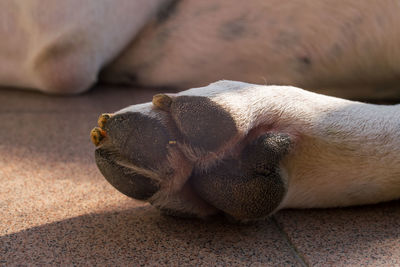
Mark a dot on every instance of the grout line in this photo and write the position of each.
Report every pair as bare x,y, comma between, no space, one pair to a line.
285,236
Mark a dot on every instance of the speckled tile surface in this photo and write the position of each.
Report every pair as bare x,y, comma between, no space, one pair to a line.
356,236
56,208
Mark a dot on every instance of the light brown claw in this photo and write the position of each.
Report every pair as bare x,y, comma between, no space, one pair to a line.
97,135
162,101
103,119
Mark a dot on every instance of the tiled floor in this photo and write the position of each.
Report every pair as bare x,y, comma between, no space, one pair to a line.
55,207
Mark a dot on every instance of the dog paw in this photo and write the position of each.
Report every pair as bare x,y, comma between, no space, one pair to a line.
188,154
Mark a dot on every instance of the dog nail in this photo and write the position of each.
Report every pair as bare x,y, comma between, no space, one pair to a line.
103,119
97,135
162,101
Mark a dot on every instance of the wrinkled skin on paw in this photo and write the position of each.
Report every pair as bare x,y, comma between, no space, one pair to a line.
186,155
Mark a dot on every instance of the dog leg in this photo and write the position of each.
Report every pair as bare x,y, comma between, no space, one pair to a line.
207,148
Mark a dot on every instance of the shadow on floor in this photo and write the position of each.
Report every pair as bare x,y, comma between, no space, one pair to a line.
142,236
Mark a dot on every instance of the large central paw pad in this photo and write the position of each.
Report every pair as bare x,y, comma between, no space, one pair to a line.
130,147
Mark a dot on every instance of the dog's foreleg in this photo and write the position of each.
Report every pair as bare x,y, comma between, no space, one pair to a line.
347,154
343,152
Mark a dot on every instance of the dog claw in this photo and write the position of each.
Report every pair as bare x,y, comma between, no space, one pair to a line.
103,119
162,101
97,135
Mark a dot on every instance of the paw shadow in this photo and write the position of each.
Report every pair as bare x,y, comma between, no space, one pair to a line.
141,236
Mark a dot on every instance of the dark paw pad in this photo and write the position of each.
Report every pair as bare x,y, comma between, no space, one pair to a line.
140,139
124,179
203,123
250,187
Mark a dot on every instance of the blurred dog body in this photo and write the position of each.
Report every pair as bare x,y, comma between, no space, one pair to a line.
346,48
